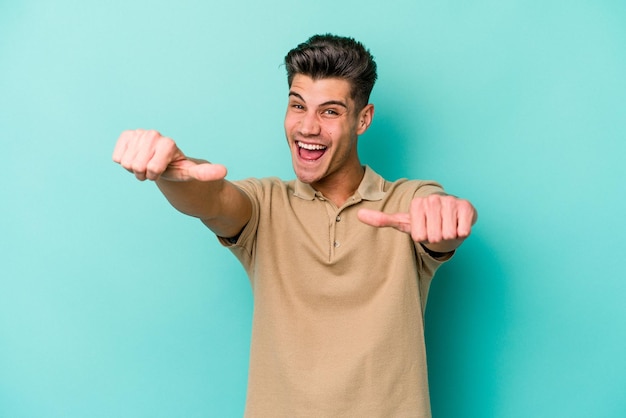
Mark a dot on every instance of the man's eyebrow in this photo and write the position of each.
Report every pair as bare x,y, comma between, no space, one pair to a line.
293,93
335,102
327,103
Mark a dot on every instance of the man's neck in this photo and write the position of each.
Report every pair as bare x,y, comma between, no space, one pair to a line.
341,186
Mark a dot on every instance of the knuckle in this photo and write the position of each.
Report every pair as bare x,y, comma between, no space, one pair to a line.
449,235
153,134
464,205
449,201
164,144
127,163
434,239
464,232
417,204
154,169
433,201
146,135
418,236
137,167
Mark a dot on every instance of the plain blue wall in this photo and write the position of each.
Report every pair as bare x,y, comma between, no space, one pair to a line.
113,305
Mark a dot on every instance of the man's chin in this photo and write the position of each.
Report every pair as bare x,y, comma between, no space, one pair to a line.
309,172
306,177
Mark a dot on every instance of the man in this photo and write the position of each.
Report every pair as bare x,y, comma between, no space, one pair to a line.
339,297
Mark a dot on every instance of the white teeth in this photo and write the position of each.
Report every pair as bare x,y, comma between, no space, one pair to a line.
311,147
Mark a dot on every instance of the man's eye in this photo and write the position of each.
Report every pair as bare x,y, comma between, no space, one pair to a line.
331,112
297,106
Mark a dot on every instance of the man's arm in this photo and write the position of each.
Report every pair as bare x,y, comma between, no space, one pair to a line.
439,222
194,187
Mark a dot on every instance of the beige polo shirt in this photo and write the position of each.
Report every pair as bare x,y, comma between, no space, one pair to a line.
338,305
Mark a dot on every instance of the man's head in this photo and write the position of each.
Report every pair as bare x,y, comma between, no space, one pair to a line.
330,56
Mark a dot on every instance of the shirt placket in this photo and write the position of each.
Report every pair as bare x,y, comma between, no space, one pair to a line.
335,221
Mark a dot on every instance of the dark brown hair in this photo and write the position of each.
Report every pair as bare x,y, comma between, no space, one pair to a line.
331,56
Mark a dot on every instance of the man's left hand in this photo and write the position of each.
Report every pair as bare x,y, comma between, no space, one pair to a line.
440,222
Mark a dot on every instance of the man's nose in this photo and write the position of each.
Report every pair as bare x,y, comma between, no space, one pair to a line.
309,125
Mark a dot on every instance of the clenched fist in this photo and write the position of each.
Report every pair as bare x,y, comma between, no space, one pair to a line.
441,222
149,155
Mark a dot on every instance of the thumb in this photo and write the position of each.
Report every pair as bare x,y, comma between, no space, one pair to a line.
378,219
188,169
207,172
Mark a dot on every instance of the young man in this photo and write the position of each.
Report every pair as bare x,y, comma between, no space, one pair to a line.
339,297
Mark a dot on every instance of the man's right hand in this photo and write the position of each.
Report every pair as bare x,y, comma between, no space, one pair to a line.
149,155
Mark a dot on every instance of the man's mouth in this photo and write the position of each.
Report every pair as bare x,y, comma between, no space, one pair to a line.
310,152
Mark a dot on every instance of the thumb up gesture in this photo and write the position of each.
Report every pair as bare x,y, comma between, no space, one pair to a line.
149,155
440,222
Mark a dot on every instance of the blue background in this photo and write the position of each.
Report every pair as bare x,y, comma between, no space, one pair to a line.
113,305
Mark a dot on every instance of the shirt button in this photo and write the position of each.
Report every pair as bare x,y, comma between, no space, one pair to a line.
336,244
338,218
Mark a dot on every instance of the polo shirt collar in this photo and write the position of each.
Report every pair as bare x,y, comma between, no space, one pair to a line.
371,187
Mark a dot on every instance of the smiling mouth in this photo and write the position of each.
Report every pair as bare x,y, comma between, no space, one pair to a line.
310,152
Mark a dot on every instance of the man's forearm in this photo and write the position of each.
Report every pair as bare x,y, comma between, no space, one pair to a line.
221,205
193,198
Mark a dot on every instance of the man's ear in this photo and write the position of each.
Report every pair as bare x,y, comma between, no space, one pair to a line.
366,115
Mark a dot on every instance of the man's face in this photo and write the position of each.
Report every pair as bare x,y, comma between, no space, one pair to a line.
322,126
